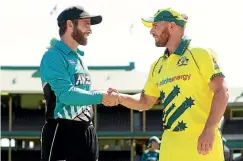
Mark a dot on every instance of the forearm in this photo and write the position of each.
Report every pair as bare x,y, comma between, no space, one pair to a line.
218,107
133,102
79,97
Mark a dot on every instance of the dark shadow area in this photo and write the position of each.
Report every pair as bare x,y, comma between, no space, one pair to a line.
114,156
154,120
28,119
4,113
113,118
233,127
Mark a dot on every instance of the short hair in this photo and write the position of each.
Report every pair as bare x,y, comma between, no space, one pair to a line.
63,27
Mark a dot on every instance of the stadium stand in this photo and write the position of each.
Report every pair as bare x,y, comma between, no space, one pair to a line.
137,121
4,113
122,132
233,127
28,119
154,120
113,119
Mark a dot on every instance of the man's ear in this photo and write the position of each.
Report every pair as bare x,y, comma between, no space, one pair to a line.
69,24
172,26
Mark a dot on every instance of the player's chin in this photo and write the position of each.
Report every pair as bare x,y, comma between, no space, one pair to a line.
157,44
83,43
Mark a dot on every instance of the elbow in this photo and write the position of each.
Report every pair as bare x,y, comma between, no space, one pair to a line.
223,94
146,107
227,95
145,104
63,97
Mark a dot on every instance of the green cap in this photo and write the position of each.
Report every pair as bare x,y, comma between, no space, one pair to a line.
168,15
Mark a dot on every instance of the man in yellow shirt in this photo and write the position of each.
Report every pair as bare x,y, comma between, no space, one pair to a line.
191,87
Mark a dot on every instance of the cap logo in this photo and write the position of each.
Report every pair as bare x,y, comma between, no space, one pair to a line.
83,14
184,16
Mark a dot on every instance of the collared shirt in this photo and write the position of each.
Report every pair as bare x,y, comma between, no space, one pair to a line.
149,155
66,83
181,81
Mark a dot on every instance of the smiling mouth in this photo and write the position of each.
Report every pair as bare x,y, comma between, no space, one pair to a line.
86,35
155,37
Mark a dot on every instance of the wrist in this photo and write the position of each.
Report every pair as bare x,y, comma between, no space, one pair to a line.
120,100
104,96
209,128
98,96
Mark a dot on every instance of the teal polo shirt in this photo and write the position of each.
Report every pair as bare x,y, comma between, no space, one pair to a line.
149,155
64,71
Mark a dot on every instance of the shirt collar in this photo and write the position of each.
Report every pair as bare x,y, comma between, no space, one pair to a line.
80,52
181,48
63,47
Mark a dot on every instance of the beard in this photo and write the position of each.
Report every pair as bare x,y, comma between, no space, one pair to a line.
78,36
163,38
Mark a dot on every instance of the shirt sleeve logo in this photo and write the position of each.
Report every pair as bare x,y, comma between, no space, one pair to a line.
216,66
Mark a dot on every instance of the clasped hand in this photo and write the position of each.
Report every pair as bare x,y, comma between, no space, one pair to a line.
111,98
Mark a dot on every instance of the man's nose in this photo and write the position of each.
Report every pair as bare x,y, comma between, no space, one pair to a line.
90,31
151,31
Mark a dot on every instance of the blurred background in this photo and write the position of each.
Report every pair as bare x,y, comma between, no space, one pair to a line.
119,54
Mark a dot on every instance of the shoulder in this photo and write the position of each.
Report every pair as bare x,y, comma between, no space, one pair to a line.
156,65
157,151
146,151
202,52
51,55
153,64
52,59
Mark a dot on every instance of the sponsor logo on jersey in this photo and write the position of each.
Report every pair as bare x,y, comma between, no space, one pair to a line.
184,77
82,79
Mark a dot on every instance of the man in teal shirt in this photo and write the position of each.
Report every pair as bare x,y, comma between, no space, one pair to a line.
152,153
68,133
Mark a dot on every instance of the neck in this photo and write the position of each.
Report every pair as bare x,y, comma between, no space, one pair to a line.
152,149
70,42
173,43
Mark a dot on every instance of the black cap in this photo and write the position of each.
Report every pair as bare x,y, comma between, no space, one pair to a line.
77,12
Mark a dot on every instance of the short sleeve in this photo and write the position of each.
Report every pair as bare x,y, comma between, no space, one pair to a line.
208,64
150,87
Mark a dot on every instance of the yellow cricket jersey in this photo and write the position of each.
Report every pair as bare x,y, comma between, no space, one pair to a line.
181,82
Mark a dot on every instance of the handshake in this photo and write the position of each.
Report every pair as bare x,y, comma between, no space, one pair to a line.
111,98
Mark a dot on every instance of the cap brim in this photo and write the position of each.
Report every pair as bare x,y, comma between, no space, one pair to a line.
148,21
94,20
156,140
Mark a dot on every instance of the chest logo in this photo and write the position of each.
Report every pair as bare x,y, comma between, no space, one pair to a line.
182,61
82,79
